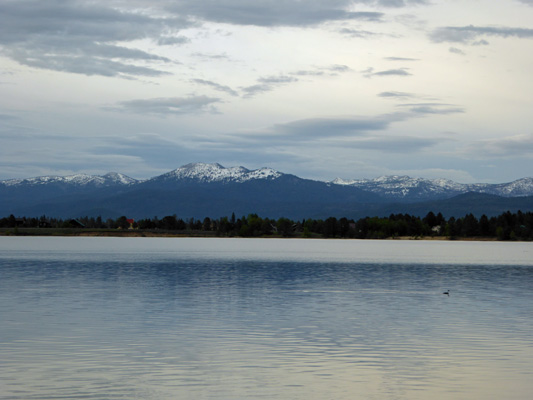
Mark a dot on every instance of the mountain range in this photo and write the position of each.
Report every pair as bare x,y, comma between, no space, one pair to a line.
199,190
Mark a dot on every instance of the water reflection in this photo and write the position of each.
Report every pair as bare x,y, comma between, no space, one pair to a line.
165,327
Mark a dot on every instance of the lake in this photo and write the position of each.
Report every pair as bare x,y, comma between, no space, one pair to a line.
199,318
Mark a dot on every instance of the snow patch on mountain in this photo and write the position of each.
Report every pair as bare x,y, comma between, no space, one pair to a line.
206,173
404,186
109,179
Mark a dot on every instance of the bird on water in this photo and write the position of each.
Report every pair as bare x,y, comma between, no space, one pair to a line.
447,292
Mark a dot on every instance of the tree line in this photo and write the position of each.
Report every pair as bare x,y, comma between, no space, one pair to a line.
507,226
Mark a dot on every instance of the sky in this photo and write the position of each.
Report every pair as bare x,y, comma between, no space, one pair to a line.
316,88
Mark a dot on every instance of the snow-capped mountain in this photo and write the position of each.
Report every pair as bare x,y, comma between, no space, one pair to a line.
520,187
200,190
109,179
407,188
402,187
389,187
209,173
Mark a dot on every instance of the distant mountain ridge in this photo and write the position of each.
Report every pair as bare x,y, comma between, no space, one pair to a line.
402,187
199,190
109,179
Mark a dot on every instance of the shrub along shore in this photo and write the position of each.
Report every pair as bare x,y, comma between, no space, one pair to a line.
507,226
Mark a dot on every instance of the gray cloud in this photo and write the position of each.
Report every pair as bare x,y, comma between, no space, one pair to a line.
401,59
436,110
331,70
336,133
271,12
401,3
332,127
173,40
396,144
79,36
269,83
27,152
397,72
209,57
338,68
396,95
389,72
83,63
276,80
511,146
358,33
168,106
314,72
455,50
433,108
152,148
528,2
6,117
251,91
352,132
313,129
266,84
216,86
469,34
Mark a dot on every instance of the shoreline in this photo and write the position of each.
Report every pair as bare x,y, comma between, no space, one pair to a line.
73,232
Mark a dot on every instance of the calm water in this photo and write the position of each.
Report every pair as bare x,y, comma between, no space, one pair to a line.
112,318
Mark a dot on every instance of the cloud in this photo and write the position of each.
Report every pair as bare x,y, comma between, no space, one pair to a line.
333,135
469,34
357,33
93,37
269,83
401,3
433,108
266,84
210,57
312,129
507,147
528,2
396,144
7,117
389,72
314,72
80,36
338,68
455,50
276,80
332,70
401,59
172,40
270,13
168,106
151,148
331,127
396,95
26,152
81,64
216,86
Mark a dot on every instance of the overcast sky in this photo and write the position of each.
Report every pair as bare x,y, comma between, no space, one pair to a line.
318,88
